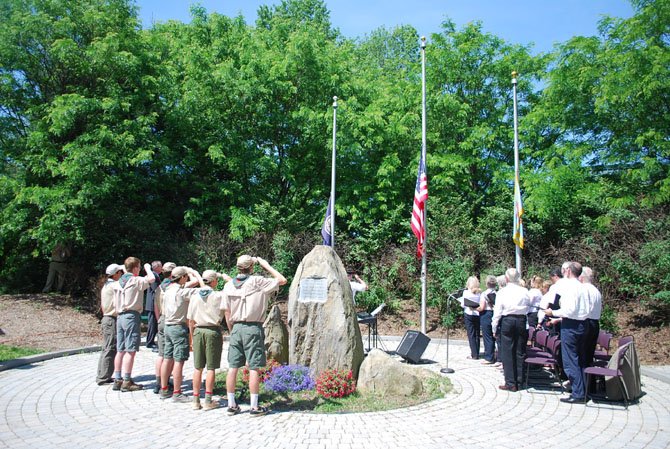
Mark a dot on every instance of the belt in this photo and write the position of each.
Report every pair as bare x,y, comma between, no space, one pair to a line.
514,316
129,311
250,322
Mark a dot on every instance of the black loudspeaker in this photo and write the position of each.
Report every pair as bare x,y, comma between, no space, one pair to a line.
412,345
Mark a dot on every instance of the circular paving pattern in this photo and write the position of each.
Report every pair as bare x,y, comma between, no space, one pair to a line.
56,404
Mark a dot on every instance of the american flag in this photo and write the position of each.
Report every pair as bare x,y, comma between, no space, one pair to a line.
517,232
420,197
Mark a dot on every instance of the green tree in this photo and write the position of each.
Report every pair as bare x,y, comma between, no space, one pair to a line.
78,93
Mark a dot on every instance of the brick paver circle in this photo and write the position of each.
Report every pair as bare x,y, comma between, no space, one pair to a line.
56,404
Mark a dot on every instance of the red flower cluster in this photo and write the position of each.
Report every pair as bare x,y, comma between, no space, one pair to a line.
335,383
264,372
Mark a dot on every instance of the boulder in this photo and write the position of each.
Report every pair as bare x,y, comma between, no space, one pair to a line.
323,327
276,336
384,375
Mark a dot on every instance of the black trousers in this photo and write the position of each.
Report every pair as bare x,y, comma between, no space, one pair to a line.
514,338
152,328
472,329
590,339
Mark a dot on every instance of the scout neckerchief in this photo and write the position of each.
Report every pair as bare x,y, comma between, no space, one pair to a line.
240,279
166,282
124,279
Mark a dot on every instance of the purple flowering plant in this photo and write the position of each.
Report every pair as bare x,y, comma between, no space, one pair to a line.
289,379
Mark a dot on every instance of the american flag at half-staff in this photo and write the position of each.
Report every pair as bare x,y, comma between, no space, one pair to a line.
419,207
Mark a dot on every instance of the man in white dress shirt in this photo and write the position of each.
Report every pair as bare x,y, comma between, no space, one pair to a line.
594,301
512,303
573,313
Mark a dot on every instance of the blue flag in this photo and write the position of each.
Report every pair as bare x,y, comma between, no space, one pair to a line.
326,228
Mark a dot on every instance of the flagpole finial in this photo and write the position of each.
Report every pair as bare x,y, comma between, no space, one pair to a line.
514,75
334,102
423,42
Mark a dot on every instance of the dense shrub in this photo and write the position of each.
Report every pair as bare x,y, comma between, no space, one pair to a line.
289,379
335,383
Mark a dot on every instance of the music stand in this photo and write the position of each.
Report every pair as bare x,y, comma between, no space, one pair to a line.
446,369
371,320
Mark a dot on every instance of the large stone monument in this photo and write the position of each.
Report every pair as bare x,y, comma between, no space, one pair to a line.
276,336
323,328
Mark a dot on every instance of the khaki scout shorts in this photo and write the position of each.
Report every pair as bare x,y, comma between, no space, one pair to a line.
207,347
247,345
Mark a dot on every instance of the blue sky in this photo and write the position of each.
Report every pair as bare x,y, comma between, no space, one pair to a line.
541,22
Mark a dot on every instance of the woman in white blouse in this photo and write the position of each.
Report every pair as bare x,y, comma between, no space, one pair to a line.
471,315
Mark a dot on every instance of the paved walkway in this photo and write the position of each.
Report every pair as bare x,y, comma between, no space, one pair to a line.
56,404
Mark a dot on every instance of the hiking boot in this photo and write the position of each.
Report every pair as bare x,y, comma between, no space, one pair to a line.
196,404
157,388
165,394
233,410
181,398
211,405
117,384
129,385
260,411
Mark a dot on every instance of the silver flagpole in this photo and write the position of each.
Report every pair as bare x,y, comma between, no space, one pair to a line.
332,176
425,206
516,164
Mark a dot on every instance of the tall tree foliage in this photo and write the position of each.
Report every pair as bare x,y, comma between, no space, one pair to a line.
606,106
124,140
78,101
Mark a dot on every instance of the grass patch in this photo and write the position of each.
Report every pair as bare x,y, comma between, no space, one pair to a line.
310,401
16,352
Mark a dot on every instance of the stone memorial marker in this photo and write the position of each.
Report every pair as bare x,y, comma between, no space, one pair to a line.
276,336
323,328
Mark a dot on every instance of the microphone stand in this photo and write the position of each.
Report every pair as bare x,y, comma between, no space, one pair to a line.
446,369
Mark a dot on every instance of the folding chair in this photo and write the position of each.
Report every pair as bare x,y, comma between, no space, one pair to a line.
613,372
552,360
603,342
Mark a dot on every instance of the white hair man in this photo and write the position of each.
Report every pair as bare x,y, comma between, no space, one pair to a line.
594,304
511,310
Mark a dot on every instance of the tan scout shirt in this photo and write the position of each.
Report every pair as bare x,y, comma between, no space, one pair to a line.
107,298
250,301
130,296
175,303
159,294
205,308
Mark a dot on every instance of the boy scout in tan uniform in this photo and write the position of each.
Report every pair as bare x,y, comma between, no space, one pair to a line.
158,311
129,303
245,301
175,307
205,314
108,325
